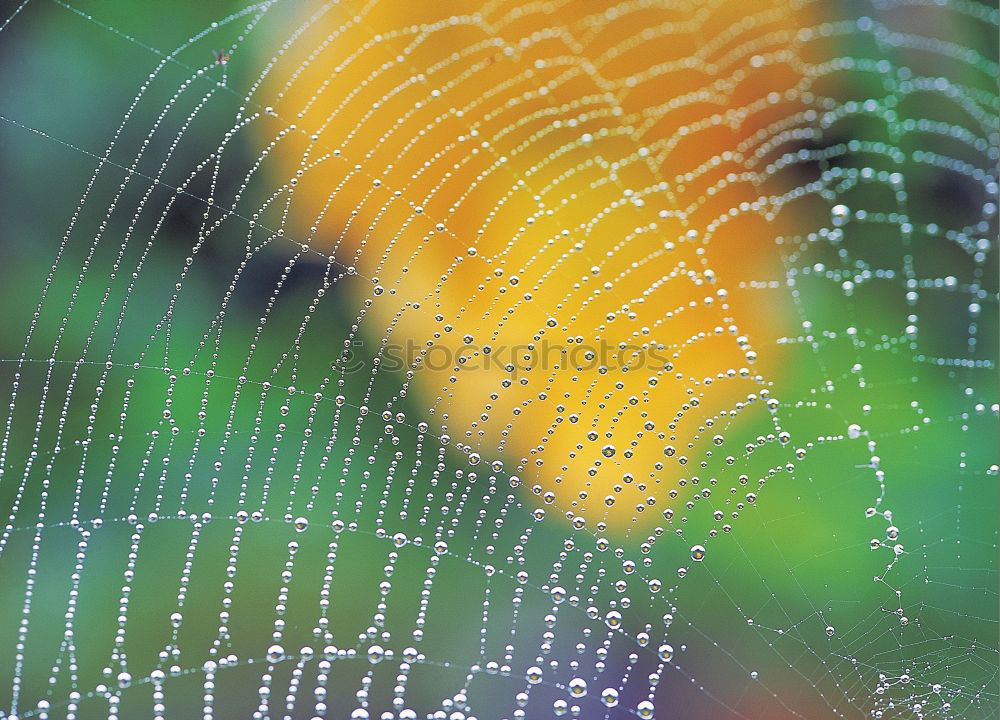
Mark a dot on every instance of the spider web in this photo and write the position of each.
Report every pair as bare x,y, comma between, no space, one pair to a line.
222,499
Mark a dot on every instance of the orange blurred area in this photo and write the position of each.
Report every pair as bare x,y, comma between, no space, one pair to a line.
553,175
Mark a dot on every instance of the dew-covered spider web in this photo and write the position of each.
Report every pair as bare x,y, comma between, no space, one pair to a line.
518,359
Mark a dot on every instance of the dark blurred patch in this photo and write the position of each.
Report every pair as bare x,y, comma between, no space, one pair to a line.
183,222
305,276
947,198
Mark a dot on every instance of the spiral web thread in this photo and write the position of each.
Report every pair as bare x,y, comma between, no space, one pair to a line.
206,513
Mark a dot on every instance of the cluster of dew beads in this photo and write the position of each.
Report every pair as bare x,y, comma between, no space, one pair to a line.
570,358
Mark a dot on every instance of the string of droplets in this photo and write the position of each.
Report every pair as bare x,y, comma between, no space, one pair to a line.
831,185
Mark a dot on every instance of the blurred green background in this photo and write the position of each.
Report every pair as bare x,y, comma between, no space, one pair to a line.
749,625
